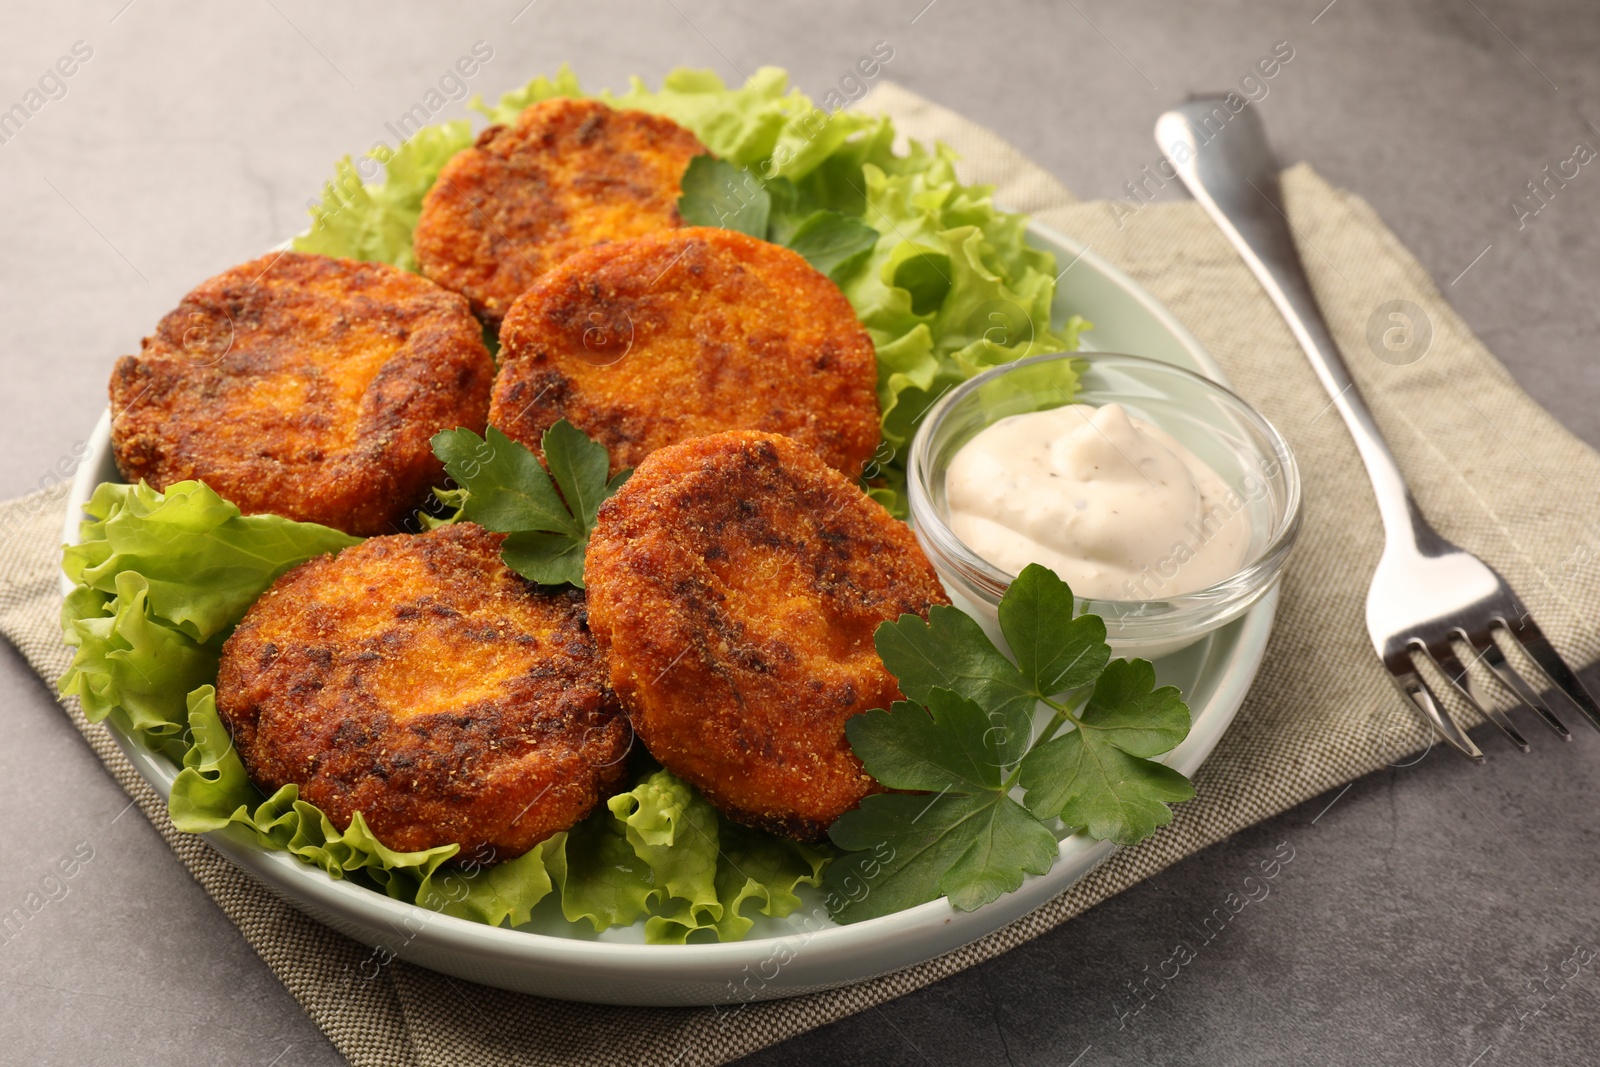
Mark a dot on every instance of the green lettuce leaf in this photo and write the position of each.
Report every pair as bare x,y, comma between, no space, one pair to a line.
213,792
161,579
762,124
662,853
949,288
658,852
129,665
718,193
513,103
355,220
204,562
602,881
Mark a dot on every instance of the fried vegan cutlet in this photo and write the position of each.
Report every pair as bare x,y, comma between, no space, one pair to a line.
683,333
565,175
734,583
418,680
303,386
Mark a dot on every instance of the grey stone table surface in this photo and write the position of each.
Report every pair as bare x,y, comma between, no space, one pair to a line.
1423,907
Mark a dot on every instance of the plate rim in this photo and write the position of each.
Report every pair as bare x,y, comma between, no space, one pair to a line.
1142,296
308,887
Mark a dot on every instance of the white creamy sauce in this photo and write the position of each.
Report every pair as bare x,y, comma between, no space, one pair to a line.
1115,506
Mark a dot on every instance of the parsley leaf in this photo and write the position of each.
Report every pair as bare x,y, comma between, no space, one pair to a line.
579,467
1131,713
832,242
950,745
908,849
507,487
787,210
1055,652
502,486
970,841
963,741
950,651
1095,776
546,558
718,193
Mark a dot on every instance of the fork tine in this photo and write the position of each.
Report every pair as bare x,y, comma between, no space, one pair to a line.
1555,668
1444,657
1416,690
1507,676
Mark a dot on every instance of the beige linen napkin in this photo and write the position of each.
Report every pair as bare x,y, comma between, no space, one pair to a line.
1494,469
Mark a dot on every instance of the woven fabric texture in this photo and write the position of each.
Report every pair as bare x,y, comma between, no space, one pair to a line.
1485,461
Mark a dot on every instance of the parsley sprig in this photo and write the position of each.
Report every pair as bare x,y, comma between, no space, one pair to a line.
717,193
502,486
962,748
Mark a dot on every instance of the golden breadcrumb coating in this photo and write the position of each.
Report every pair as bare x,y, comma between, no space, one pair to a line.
689,332
735,583
418,680
565,175
304,386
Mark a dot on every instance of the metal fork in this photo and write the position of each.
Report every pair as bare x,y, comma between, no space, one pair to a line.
1427,594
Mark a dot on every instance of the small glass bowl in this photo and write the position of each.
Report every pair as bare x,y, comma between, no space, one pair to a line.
1229,435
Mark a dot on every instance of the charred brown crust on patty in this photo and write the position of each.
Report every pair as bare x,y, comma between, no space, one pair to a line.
304,386
567,174
421,682
689,332
735,582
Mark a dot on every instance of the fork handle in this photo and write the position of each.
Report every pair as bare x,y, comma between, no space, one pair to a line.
1224,160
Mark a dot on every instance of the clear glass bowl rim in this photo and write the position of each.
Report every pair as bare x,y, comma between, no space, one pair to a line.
1234,592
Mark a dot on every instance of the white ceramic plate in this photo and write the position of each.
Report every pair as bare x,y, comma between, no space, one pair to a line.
804,952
